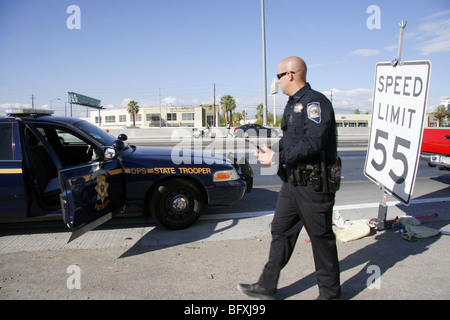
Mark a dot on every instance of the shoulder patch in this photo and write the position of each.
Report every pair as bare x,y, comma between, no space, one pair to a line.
314,112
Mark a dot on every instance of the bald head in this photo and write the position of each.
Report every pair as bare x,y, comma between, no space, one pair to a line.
296,65
296,78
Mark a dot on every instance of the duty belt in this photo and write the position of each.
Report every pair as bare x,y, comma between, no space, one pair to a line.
319,176
301,175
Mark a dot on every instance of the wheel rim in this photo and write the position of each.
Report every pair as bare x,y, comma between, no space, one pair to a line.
179,205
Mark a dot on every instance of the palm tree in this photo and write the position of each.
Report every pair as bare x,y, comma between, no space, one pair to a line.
237,117
259,113
133,109
441,113
228,105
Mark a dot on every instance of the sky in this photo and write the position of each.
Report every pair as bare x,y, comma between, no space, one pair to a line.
176,51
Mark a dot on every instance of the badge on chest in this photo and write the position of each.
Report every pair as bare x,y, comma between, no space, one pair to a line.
298,108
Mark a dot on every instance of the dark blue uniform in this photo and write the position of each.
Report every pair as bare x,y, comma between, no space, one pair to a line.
309,128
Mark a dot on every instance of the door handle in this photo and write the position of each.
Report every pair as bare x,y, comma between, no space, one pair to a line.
77,181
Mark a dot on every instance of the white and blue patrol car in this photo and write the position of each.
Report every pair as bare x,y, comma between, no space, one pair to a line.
57,165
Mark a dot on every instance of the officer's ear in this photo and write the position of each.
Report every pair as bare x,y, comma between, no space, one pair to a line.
291,76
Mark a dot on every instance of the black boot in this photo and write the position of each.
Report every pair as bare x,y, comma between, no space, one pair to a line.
256,291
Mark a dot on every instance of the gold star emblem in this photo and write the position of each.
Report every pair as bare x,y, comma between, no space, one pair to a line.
102,188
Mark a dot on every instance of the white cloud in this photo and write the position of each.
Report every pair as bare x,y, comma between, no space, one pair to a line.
170,101
438,14
17,105
22,105
365,52
392,47
14,105
345,101
434,34
124,103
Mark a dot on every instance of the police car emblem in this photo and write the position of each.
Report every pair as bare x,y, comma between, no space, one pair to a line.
102,188
314,112
298,108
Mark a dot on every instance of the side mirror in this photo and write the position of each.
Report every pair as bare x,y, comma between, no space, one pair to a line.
122,137
118,144
110,153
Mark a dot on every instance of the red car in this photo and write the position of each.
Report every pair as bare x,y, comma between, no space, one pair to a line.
436,147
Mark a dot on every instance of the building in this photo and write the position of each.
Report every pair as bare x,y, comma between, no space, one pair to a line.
353,120
156,117
365,120
203,115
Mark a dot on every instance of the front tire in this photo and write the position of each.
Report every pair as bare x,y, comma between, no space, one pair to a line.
176,204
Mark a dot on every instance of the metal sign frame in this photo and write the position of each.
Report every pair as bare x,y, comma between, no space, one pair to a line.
82,100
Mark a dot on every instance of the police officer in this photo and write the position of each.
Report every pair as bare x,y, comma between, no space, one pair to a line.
308,147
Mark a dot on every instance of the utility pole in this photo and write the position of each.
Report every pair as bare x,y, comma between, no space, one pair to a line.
214,107
264,65
32,101
160,110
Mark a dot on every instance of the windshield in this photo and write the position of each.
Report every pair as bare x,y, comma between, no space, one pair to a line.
96,133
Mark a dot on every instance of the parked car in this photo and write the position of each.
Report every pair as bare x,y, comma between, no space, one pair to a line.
436,147
253,129
57,165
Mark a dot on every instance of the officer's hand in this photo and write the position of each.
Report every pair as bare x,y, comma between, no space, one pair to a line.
266,156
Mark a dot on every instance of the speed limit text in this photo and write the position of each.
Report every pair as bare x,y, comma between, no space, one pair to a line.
398,115
400,85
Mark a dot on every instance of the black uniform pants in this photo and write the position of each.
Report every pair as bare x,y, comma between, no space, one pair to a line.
299,206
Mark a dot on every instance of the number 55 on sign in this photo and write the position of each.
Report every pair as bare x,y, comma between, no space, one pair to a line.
398,113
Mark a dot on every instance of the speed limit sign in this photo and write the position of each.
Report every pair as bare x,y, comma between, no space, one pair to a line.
399,108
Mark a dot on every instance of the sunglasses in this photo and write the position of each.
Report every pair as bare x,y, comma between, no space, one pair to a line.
280,75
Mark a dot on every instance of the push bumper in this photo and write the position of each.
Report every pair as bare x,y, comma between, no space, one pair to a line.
244,170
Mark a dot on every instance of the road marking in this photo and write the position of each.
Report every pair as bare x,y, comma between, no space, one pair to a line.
243,215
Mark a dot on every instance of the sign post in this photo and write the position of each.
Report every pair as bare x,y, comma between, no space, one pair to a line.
399,108
273,92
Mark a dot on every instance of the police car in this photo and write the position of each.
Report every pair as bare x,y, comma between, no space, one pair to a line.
57,165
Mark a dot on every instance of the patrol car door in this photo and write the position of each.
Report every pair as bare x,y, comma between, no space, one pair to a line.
91,194
13,197
92,179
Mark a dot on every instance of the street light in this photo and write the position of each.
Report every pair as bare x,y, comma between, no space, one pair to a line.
273,92
52,101
264,65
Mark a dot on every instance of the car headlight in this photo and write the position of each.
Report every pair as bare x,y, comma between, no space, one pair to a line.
225,175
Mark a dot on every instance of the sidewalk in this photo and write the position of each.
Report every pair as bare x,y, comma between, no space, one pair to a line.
142,262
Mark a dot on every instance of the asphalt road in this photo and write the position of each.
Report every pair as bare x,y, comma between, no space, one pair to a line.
135,259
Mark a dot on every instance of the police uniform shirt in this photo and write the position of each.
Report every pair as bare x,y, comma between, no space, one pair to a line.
309,127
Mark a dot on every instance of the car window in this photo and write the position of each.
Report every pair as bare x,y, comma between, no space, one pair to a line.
68,138
71,149
96,133
6,142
